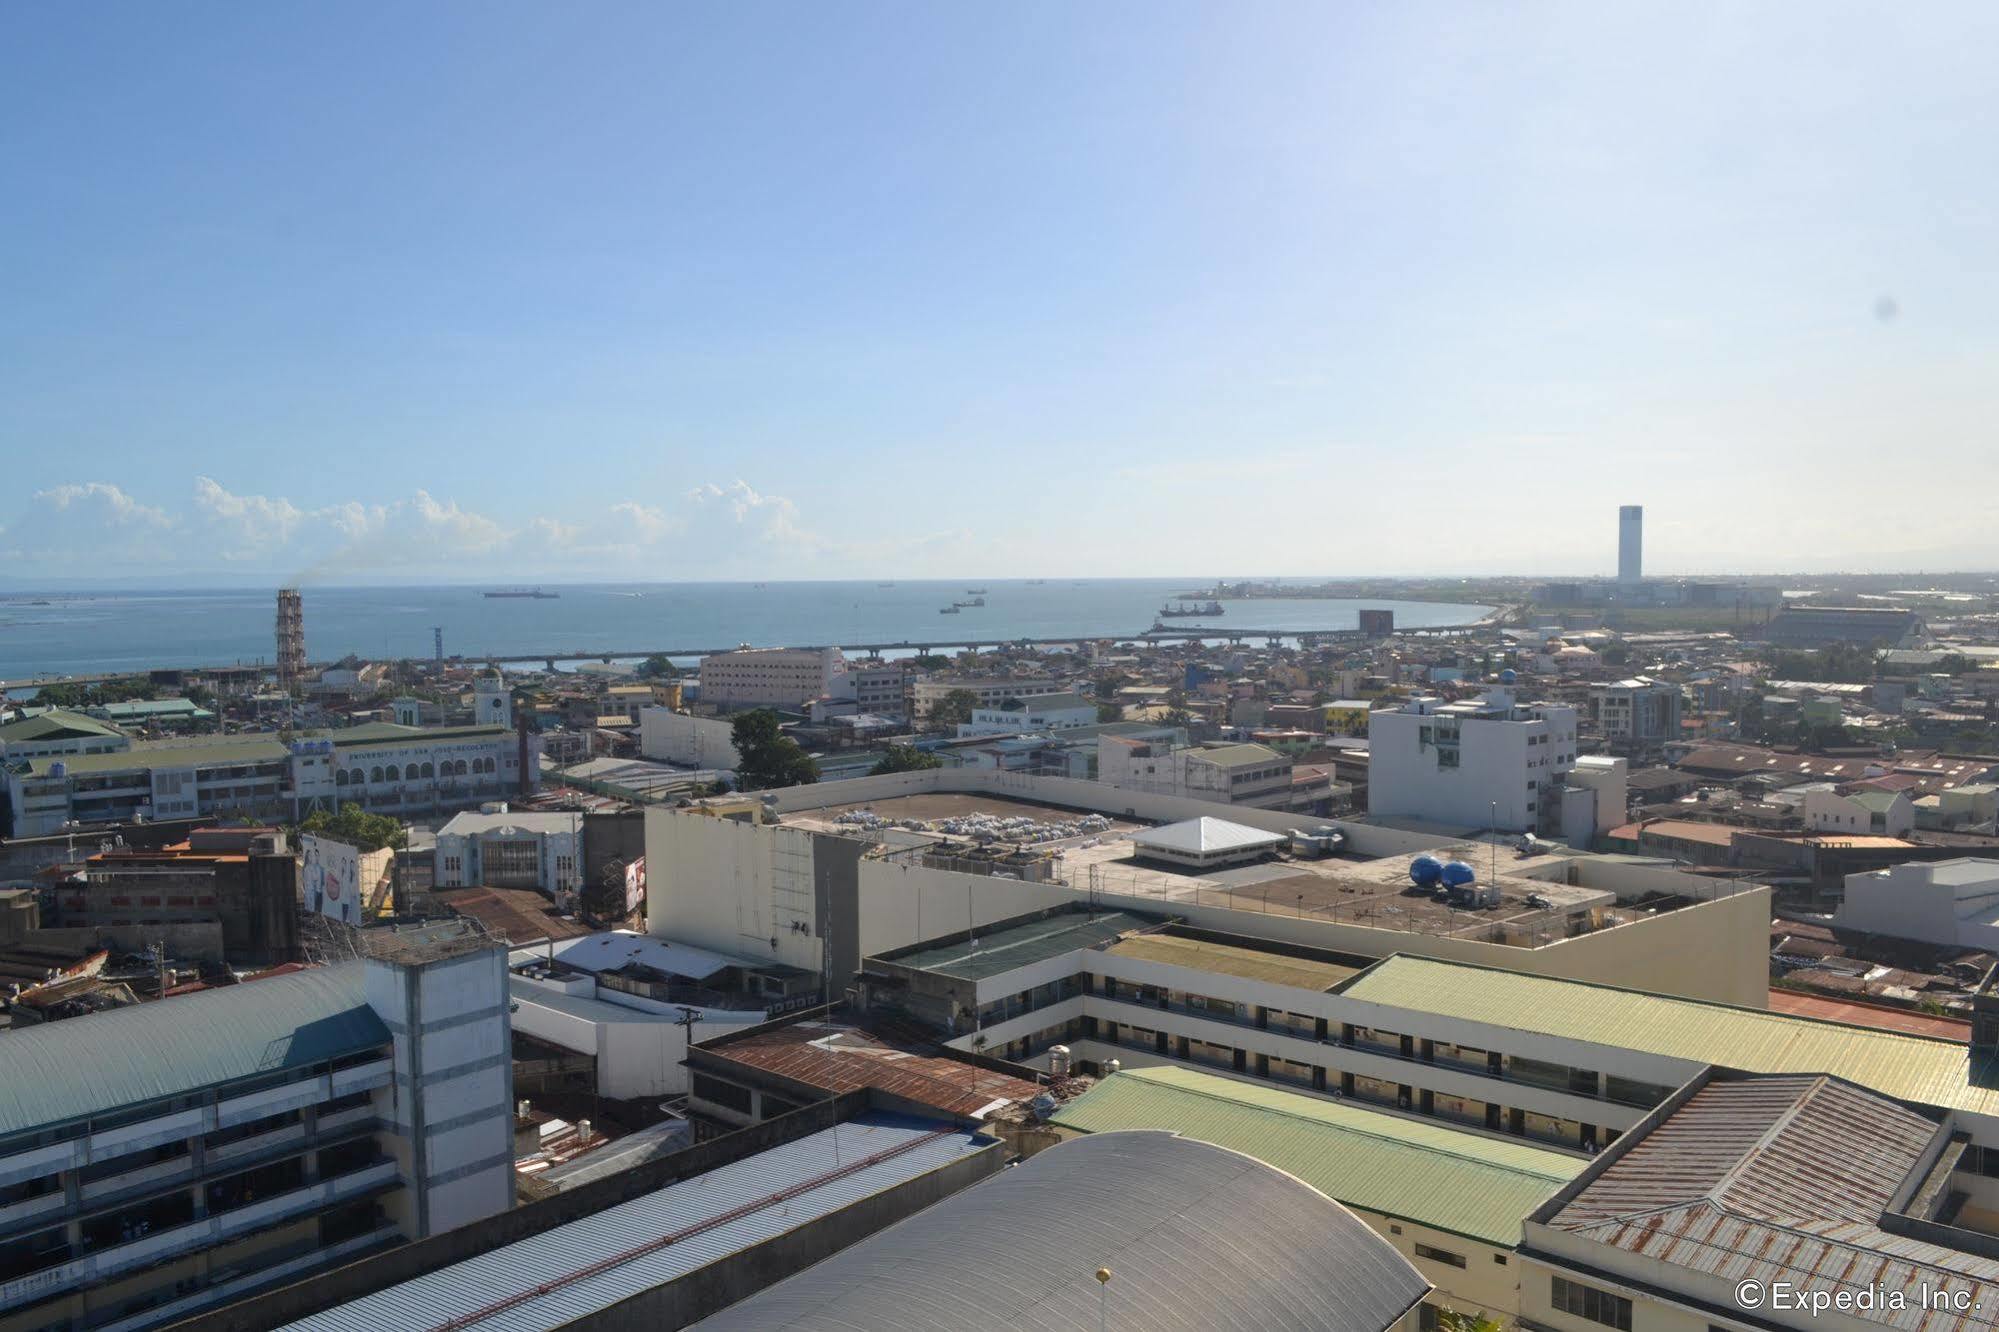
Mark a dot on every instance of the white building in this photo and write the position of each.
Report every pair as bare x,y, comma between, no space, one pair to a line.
772,677
1951,903
491,704
632,1001
1595,798
1031,716
682,738
505,849
991,691
1490,763
1863,813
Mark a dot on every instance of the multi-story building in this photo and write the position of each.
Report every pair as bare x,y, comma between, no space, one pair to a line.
1241,774
1028,716
928,691
166,1158
878,687
225,894
1492,763
772,677
500,848
1638,715
384,768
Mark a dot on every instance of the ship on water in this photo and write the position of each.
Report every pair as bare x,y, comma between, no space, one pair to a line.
525,593
1183,612
975,591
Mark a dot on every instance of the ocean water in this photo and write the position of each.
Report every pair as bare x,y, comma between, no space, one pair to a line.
79,632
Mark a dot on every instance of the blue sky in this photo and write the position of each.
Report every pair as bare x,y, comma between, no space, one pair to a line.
811,290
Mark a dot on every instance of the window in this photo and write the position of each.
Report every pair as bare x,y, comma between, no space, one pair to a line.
1444,1256
1599,1306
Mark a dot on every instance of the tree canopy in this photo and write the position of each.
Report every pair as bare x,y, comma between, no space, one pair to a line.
767,757
356,827
954,709
904,758
657,667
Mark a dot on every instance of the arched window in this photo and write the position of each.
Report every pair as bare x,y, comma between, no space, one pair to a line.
340,776
355,778
427,771
394,774
374,774
459,767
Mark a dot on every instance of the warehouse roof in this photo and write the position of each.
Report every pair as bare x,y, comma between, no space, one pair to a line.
1465,1183
610,950
90,1065
840,1057
1000,950
1194,1236
55,724
1780,1179
554,1279
1908,1067
1236,756
1204,835
215,751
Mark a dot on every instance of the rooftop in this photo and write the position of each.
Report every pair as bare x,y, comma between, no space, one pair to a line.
1415,1170
841,1056
1196,1236
102,1062
1236,756
1233,960
55,724
1205,835
1923,1069
471,823
1001,950
1783,1179
565,1274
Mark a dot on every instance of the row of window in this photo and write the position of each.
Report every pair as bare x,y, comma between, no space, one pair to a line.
414,772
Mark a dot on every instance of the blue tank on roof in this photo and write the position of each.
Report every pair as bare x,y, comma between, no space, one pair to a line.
1457,874
1508,676
1426,871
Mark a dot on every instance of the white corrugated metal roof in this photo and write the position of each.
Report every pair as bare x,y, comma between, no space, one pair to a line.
518,1269
614,948
1204,835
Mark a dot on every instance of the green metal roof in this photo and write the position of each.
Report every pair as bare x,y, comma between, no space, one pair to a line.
1004,949
1925,1069
378,732
1465,1183
214,752
68,1070
55,724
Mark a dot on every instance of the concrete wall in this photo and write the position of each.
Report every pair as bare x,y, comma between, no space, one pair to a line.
452,1111
639,1052
678,737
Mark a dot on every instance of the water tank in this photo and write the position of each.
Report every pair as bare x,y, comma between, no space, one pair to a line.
1457,874
58,769
1509,676
1058,1061
1111,1066
1426,871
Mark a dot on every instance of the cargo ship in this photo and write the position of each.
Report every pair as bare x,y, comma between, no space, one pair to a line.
1189,612
527,593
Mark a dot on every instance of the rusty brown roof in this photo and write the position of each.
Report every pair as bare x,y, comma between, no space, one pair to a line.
842,1057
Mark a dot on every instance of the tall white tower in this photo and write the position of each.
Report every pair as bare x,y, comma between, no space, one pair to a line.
1631,543
491,705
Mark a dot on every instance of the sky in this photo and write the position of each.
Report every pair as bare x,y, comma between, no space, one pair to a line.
369,291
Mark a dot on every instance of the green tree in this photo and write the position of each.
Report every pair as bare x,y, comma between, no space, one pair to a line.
929,661
1110,712
954,709
356,827
1108,685
657,667
1614,654
904,758
766,756
1451,1320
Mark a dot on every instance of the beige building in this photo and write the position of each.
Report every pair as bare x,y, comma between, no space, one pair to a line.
772,677
927,692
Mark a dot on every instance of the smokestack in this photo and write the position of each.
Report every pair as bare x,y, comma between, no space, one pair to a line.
291,641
